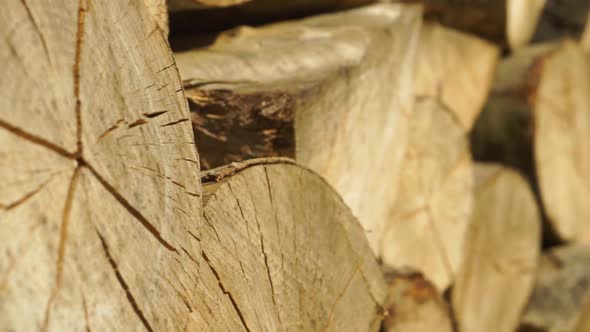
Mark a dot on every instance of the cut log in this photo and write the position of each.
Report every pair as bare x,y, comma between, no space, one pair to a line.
97,165
159,11
460,74
563,18
332,91
508,22
414,305
537,120
101,219
497,277
289,251
428,225
562,287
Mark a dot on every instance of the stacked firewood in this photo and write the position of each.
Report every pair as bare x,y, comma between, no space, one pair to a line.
270,165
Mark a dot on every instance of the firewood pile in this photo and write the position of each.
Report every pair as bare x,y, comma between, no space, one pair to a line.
305,165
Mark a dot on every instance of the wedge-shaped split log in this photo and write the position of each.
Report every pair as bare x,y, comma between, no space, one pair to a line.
428,226
332,91
507,22
288,250
562,288
456,68
538,120
502,252
413,304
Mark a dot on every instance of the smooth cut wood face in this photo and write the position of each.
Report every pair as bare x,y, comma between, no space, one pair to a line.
99,189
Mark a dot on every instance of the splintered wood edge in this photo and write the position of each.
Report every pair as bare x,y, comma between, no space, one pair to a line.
220,173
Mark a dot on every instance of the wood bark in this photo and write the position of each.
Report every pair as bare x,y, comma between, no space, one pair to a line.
461,73
101,218
502,253
508,22
413,304
562,287
537,120
289,250
428,225
332,91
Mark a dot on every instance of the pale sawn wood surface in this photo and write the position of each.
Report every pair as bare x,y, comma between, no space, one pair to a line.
502,253
427,228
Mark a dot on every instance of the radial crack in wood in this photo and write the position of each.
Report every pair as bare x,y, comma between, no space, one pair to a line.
537,120
74,74
291,231
502,253
427,227
332,91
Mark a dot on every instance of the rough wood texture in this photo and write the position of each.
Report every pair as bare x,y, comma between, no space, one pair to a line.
342,83
457,68
509,22
289,251
537,120
502,252
98,164
562,287
428,225
100,205
414,305
159,11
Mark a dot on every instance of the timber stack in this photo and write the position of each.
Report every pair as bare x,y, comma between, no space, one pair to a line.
308,165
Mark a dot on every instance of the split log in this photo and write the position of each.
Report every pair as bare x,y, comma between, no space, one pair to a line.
413,304
563,18
562,287
101,218
537,120
97,165
427,229
332,91
289,250
508,22
461,73
497,277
